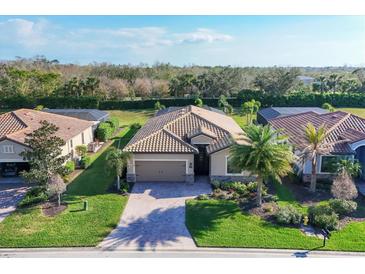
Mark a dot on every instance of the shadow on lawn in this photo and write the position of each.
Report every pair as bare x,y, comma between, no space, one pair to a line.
209,215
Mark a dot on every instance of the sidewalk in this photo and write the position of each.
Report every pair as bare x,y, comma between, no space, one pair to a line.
171,253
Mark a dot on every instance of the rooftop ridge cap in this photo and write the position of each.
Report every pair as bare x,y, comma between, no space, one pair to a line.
156,131
336,125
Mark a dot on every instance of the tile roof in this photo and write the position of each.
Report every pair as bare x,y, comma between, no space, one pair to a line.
84,114
16,124
343,129
274,112
170,132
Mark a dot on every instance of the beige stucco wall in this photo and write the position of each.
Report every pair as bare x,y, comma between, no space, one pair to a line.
77,140
66,149
218,164
11,157
189,158
201,139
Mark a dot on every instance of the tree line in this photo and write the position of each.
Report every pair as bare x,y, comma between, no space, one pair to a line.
39,77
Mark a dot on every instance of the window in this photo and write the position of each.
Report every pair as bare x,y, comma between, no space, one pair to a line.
71,143
83,138
329,163
230,169
8,149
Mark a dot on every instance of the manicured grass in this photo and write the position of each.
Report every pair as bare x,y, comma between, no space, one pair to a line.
215,223
73,227
127,117
357,111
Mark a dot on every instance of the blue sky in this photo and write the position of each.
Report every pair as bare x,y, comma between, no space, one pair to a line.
185,40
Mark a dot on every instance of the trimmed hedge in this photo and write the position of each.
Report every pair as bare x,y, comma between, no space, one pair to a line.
104,131
288,100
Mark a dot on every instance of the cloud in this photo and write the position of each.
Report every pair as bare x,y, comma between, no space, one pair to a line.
202,35
23,33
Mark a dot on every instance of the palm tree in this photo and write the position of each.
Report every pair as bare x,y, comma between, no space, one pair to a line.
116,160
315,146
264,153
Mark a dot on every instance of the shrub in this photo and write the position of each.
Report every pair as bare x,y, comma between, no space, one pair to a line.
215,184
85,161
81,150
158,106
114,122
329,221
342,207
34,196
343,187
39,107
69,167
323,216
135,126
240,188
252,188
198,102
104,131
203,197
124,187
328,106
288,215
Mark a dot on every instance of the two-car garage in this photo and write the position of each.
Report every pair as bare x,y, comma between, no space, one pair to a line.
160,171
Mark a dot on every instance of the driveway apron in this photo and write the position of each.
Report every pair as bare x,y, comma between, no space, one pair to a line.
10,196
154,217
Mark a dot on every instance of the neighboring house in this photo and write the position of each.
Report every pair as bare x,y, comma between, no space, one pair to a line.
182,143
94,115
16,124
346,134
266,114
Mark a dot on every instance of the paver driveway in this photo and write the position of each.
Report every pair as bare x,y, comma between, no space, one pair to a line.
154,217
10,196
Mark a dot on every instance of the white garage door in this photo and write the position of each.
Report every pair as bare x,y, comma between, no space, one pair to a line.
157,171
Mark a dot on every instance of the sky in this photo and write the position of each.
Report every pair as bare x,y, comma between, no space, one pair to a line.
186,40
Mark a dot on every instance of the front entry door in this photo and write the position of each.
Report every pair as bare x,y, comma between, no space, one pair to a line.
201,161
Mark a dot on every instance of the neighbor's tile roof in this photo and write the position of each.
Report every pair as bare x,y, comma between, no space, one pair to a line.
343,129
84,114
170,132
16,124
274,112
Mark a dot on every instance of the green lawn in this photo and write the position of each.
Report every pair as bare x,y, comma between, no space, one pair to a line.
127,117
216,223
73,227
357,111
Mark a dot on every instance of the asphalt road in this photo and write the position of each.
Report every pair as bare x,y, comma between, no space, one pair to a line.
196,253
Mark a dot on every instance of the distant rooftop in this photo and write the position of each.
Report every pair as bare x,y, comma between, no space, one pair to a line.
266,114
85,114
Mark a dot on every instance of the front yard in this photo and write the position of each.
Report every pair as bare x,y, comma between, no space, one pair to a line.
73,227
222,223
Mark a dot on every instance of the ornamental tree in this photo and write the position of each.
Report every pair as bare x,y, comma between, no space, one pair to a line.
44,154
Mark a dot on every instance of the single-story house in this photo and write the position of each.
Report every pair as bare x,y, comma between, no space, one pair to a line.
346,136
16,124
95,115
184,142
266,114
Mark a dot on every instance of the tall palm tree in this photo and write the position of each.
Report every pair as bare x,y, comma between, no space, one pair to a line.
315,146
116,160
264,153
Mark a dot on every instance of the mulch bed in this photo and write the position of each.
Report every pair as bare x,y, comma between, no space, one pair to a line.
51,209
266,211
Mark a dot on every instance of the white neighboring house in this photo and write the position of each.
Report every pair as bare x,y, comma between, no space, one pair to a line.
16,124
